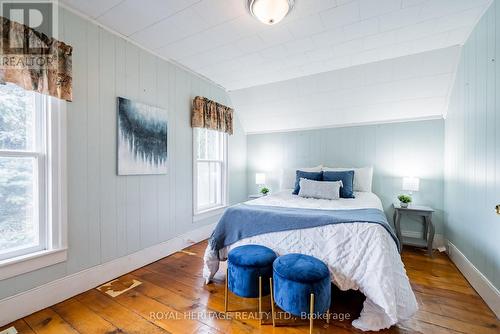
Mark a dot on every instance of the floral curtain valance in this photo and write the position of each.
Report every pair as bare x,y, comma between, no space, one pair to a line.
35,61
211,115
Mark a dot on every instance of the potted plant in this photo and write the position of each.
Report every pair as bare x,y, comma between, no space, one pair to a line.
404,200
264,191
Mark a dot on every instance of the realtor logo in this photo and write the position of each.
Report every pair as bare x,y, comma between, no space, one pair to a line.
37,15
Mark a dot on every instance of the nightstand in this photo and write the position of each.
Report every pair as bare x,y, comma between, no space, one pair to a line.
254,196
415,210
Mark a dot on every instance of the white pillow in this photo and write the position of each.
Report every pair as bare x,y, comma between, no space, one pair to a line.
320,189
288,175
362,177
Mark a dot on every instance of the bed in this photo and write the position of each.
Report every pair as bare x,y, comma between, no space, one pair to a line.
360,256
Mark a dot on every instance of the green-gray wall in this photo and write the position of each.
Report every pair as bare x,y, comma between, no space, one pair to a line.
394,150
472,146
111,216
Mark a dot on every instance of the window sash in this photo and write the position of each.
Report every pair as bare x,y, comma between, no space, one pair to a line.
215,185
40,177
221,162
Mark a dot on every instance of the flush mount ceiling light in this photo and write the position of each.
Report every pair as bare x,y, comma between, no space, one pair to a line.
270,11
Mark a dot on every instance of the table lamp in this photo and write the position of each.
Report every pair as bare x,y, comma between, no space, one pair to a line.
411,184
260,179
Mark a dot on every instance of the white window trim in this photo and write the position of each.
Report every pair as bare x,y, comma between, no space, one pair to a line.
209,213
55,198
215,210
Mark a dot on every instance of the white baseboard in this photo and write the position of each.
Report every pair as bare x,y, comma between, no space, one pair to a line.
438,238
479,282
54,292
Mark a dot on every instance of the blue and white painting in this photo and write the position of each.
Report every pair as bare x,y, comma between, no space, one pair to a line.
142,138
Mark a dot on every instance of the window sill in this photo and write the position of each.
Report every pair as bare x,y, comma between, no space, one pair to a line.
30,262
209,213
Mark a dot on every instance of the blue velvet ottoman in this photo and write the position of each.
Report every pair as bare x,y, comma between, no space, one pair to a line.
247,266
301,285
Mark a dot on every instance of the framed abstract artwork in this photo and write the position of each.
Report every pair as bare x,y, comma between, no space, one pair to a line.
142,138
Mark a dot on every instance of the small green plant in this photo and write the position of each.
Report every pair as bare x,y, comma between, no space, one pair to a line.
404,199
264,191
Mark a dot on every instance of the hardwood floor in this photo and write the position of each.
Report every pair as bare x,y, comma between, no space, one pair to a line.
173,294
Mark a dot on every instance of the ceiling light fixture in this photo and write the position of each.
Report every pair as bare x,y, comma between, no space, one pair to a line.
270,11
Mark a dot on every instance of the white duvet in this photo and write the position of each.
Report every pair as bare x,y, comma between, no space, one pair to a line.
360,256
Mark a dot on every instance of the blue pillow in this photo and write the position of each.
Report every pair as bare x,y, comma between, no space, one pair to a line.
347,177
316,176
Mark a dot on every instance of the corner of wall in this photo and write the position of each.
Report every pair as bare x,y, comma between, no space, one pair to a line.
237,151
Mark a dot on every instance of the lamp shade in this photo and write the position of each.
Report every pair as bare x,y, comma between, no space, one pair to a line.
411,183
260,178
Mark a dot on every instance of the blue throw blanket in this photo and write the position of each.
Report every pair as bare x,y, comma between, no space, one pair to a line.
243,221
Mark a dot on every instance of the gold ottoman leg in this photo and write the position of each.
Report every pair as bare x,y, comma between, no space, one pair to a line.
311,314
260,299
225,293
272,300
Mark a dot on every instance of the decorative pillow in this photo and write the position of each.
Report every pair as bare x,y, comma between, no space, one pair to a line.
347,181
316,176
319,189
287,180
362,177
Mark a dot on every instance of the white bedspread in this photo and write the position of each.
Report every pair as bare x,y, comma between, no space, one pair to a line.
359,256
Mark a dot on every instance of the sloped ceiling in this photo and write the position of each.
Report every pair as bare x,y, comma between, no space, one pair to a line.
220,40
329,63
406,88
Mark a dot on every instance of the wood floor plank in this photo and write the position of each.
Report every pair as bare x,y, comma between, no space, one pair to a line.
456,324
175,285
83,319
20,325
440,276
432,302
443,292
470,317
155,312
415,326
450,286
47,321
419,255
116,314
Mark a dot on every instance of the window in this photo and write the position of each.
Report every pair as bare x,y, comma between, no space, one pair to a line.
210,169
30,171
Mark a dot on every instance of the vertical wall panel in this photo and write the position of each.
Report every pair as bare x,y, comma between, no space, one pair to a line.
93,143
472,149
120,64
76,33
107,144
163,183
496,138
172,126
183,149
149,191
132,68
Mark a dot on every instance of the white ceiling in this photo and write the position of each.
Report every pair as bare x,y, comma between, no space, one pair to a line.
220,40
410,87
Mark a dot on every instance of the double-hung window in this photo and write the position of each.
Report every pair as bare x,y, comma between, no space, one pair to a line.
31,193
210,170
